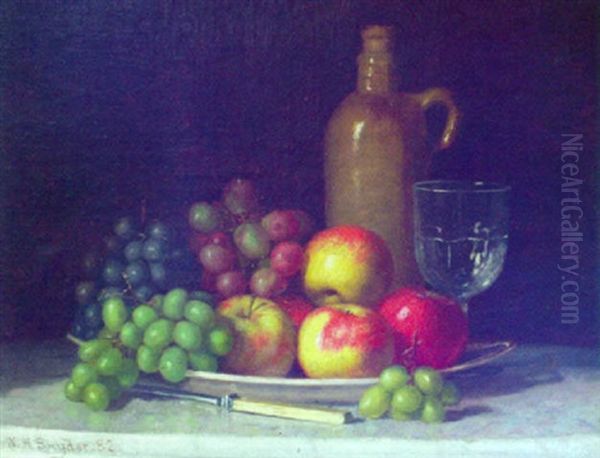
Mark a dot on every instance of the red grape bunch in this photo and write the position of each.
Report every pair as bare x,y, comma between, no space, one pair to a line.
241,248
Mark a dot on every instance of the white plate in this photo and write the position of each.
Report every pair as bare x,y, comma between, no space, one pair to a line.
305,390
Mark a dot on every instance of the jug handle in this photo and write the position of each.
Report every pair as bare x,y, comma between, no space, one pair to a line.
441,96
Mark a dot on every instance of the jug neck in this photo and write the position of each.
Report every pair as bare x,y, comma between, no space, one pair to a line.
376,73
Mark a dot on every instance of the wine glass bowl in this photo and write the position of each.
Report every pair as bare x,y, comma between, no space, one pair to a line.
461,235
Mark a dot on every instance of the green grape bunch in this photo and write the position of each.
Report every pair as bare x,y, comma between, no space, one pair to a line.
424,395
167,336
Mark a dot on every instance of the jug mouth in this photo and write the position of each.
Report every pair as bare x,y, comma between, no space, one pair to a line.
459,186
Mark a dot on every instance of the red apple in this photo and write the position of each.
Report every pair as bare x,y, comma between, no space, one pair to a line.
429,329
296,307
264,337
344,341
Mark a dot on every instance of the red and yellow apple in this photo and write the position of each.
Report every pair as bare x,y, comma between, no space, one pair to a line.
429,329
344,341
264,336
347,264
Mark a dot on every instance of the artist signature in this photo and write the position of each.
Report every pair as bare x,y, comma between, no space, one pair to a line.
60,446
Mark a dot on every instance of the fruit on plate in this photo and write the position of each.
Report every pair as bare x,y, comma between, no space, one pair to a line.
287,258
286,225
240,197
169,334
429,329
344,341
140,257
241,249
347,264
297,307
264,336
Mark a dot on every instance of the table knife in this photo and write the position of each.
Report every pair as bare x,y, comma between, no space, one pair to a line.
233,403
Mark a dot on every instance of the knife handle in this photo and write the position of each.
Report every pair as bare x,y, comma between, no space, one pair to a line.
295,412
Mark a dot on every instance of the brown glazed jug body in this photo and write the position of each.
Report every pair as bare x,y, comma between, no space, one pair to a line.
376,148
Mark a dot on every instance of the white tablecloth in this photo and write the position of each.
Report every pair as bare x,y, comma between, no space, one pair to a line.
537,401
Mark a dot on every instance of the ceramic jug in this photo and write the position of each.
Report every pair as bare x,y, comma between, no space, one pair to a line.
376,147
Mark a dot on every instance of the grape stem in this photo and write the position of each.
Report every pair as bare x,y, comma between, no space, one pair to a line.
143,211
74,339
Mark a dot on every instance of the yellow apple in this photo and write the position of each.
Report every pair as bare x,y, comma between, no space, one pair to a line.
344,341
347,264
264,337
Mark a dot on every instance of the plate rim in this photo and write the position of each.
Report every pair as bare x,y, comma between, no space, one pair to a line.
503,347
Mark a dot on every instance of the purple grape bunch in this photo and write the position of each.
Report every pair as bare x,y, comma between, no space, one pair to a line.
137,262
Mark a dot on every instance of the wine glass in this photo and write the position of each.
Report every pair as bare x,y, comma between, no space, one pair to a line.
461,235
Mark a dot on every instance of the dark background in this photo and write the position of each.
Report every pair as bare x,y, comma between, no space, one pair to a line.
108,104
